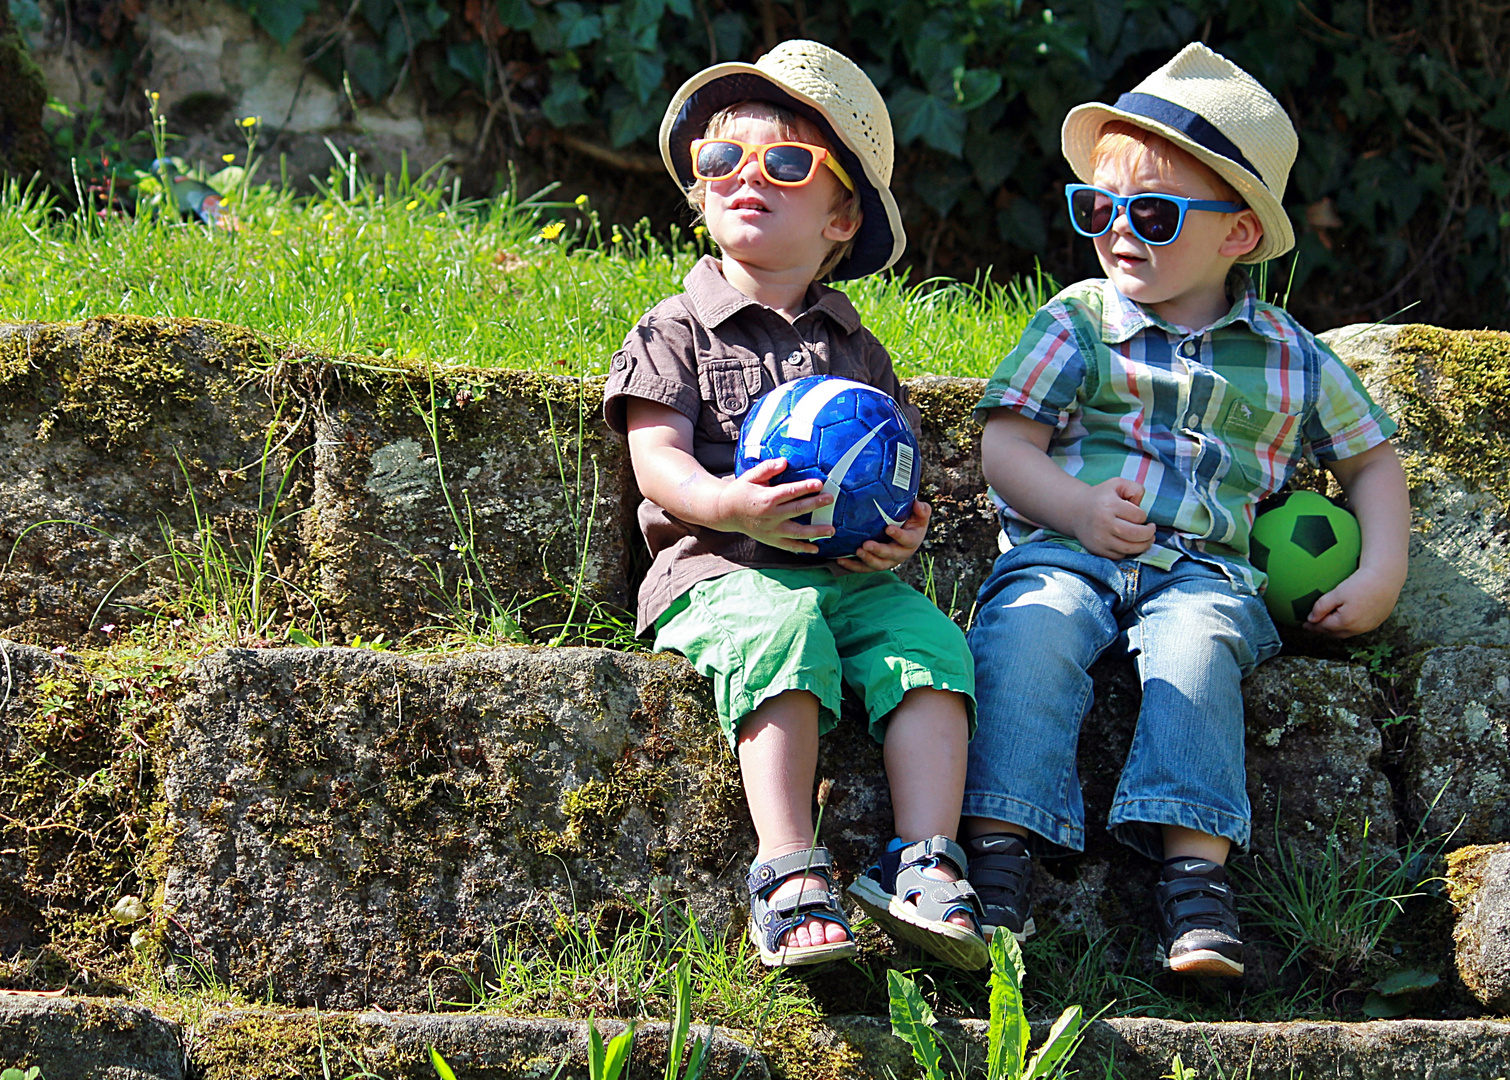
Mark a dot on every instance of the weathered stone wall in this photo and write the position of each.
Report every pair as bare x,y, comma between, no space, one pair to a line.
350,827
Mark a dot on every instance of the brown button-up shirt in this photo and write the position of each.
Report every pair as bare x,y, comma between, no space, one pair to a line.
710,353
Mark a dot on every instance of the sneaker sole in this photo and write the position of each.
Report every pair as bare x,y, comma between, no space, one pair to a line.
954,945
1203,962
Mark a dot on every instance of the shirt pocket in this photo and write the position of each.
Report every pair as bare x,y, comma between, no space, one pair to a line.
728,386
1263,443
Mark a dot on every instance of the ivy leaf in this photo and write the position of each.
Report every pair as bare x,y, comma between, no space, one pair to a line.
469,60
974,87
941,189
282,19
1406,982
563,105
993,156
373,75
628,122
377,12
939,123
516,14
576,26
1378,1007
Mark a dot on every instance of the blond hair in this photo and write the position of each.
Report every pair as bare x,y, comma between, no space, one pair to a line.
798,129
1130,145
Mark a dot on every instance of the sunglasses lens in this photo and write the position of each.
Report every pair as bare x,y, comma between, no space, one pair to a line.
1092,210
1155,220
715,159
789,164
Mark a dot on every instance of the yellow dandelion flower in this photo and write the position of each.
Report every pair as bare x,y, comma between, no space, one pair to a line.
581,200
155,95
227,158
411,204
553,230
277,232
251,121
329,217
699,230
618,237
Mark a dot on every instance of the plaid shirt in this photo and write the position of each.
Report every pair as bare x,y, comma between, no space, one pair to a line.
1208,421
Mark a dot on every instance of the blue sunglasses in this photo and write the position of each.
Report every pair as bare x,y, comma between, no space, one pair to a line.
1154,218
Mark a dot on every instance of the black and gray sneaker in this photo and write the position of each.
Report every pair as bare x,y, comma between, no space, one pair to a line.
1001,869
1198,931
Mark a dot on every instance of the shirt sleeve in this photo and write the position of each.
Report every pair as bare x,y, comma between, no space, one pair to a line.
657,362
1042,376
883,376
1345,421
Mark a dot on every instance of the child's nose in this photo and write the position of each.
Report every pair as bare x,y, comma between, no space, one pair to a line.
749,170
1121,221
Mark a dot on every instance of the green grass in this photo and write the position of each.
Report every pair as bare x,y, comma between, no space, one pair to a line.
400,268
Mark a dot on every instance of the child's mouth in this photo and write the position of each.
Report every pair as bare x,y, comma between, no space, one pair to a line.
748,204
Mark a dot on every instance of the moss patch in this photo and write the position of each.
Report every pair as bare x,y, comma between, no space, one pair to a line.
113,376
1454,394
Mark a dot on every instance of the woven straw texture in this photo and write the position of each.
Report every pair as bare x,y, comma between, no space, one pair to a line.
1238,106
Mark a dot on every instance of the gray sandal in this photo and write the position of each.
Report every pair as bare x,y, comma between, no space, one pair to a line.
771,919
910,905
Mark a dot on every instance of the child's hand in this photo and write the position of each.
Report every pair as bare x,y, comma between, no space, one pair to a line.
906,538
1363,601
749,504
1110,521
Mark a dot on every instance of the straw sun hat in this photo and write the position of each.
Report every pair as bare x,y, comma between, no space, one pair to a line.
827,88
1206,104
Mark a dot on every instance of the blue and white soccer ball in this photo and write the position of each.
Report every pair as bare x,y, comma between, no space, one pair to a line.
851,436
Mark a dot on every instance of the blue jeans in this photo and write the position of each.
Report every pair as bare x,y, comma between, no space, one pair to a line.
1043,616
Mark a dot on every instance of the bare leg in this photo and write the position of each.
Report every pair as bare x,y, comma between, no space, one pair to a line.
778,759
925,752
1183,843
980,826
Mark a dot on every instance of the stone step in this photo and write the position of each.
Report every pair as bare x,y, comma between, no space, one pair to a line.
94,1039
345,828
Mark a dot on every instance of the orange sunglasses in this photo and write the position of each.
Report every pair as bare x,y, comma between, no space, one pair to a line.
785,164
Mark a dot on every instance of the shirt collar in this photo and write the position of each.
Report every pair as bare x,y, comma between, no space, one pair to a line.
714,300
1122,318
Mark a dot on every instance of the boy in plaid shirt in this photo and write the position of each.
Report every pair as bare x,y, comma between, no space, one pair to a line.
1129,437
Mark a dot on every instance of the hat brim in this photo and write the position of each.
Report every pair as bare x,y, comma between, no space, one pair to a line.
880,240
1082,127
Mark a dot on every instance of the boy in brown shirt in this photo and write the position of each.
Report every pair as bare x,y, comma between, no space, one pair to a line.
788,161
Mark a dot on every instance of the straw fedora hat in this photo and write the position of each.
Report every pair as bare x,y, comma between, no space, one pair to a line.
1206,104
827,88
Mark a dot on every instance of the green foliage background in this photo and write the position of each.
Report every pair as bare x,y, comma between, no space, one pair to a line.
1401,193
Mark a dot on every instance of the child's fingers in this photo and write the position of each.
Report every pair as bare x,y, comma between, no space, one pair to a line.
762,471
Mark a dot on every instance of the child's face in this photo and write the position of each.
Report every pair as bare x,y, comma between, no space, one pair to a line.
770,228
1184,281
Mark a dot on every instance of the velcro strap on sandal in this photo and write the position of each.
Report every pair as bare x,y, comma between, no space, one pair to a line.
773,871
937,847
787,907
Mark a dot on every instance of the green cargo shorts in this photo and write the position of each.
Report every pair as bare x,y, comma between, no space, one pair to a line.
759,633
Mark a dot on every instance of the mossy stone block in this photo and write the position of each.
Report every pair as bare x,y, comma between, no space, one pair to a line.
1450,392
1457,771
1478,880
350,828
84,1039
123,442
526,506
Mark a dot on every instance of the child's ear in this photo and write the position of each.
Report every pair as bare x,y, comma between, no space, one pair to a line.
1244,236
843,223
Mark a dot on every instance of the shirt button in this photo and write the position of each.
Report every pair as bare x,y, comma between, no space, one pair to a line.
1188,348
1193,419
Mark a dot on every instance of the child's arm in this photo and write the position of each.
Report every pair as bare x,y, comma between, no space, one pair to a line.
1106,518
1376,490
660,449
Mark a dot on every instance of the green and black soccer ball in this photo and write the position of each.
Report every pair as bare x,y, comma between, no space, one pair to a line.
1307,544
